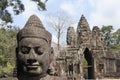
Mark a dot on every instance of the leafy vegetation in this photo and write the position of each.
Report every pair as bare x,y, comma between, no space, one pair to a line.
112,39
17,6
7,47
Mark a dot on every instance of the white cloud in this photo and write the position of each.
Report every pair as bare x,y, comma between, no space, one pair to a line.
30,8
71,7
50,2
92,3
68,8
106,12
97,12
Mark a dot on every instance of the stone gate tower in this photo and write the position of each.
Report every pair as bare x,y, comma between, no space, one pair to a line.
83,32
89,46
92,46
86,55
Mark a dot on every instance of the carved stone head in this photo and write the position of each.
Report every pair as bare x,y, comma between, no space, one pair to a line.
33,50
71,37
96,31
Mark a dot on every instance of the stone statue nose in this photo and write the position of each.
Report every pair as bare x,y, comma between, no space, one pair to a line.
30,61
32,57
32,54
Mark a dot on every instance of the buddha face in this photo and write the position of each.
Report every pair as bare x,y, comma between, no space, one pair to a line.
33,56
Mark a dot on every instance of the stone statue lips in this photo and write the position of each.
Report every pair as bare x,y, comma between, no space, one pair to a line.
33,65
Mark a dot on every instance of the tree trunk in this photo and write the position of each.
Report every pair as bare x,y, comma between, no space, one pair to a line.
58,40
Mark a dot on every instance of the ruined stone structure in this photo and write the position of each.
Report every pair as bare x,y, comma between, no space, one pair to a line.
87,56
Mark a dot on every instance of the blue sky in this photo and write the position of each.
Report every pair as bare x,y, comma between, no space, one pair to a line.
97,12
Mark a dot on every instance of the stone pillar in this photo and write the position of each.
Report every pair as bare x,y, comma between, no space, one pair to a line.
95,70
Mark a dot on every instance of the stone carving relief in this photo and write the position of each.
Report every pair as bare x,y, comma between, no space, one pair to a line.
71,37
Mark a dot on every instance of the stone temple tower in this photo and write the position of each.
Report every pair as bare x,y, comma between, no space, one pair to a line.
83,32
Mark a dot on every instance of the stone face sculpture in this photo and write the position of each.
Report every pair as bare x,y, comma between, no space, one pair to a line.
33,51
71,37
83,31
97,40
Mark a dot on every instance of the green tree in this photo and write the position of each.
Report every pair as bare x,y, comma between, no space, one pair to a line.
115,40
7,47
18,8
118,36
106,32
112,39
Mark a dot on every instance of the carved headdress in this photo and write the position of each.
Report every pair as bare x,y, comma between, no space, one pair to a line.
34,28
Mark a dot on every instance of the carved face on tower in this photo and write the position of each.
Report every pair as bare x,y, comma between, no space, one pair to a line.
33,51
96,31
84,34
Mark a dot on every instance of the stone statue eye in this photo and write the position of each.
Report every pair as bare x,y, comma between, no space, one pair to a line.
25,50
39,50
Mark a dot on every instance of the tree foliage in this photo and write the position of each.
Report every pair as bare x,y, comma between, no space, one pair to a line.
106,33
117,34
41,5
17,6
7,47
112,39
